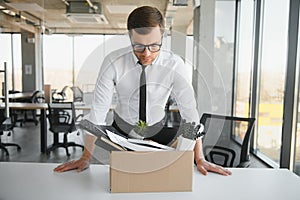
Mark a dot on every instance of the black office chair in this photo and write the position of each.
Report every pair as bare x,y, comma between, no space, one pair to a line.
62,119
7,125
60,96
30,115
77,94
227,139
173,118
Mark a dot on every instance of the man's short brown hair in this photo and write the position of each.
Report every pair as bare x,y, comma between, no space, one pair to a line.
144,18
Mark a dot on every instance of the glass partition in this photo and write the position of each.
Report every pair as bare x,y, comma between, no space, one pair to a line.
272,77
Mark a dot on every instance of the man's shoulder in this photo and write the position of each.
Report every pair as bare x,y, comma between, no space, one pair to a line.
170,56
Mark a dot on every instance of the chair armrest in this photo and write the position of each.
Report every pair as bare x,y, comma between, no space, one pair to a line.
78,116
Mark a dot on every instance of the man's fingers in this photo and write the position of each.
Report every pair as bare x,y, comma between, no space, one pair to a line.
66,166
220,170
202,169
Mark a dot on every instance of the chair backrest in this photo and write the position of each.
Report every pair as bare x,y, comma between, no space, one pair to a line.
37,97
61,114
227,139
77,94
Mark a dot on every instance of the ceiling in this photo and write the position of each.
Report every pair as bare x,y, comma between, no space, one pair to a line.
49,16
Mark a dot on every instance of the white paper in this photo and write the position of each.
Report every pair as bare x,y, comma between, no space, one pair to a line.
150,142
123,142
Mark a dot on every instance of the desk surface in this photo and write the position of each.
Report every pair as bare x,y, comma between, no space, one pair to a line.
19,95
37,181
25,106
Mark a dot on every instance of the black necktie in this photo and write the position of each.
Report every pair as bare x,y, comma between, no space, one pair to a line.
142,111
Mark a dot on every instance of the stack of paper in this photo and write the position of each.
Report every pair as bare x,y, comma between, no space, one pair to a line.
137,145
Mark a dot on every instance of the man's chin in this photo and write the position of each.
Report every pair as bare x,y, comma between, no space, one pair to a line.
146,62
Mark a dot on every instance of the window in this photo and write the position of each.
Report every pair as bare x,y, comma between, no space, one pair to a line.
88,56
272,68
10,52
57,57
244,58
223,55
297,135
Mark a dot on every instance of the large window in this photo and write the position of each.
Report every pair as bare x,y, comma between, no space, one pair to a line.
58,57
10,52
297,135
244,56
272,68
223,54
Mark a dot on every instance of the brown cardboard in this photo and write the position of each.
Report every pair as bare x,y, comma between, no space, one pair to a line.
158,171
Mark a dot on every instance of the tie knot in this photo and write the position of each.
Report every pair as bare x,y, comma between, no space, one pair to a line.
143,66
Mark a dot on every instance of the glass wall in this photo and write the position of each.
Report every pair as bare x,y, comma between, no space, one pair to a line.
76,59
272,69
10,52
243,65
223,52
57,58
297,135
297,143
244,56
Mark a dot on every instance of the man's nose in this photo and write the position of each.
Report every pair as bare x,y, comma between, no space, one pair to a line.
146,52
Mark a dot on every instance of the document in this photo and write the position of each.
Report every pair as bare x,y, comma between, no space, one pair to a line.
124,142
150,143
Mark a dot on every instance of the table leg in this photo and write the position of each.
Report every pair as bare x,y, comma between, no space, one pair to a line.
43,130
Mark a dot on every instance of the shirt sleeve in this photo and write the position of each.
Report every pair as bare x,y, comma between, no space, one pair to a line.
184,94
103,93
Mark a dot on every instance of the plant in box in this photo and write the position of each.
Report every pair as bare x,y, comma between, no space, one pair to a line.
140,130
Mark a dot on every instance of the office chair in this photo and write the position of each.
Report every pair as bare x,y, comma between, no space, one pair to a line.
31,115
77,94
60,96
173,118
7,124
227,139
62,119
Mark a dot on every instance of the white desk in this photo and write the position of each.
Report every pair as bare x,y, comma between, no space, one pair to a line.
35,181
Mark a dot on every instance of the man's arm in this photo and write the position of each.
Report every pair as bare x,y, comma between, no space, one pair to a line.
203,166
84,161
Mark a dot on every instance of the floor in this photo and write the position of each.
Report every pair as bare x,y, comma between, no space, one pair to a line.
28,137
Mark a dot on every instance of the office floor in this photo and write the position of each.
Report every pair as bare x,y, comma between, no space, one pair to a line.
28,137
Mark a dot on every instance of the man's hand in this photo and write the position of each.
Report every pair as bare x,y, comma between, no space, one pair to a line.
79,165
204,166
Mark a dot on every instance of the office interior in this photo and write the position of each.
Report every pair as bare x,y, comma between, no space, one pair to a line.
241,57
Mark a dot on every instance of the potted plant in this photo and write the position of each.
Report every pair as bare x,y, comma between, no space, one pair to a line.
139,131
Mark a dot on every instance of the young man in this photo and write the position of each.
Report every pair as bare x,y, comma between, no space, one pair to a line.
144,76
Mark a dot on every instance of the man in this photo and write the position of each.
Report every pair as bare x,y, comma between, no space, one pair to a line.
144,76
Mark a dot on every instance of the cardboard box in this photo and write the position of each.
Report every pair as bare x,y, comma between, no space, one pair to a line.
158,171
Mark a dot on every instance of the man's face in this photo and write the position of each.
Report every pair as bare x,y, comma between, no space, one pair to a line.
153,38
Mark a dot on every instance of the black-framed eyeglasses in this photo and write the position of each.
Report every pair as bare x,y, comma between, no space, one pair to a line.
151,47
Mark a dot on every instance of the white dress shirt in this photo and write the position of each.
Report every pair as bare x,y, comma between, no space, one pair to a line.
120,71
